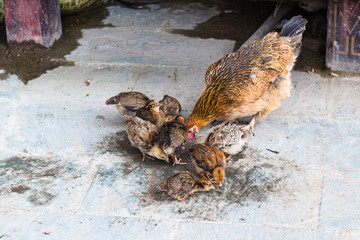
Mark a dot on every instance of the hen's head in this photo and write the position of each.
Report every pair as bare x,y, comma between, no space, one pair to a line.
195,124
192,131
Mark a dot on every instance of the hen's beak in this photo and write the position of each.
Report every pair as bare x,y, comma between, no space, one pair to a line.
191,136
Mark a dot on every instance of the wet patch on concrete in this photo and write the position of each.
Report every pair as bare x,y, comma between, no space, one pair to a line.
231,26
29,60
37,179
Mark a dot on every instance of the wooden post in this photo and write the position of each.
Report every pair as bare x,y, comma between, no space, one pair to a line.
343,38
34,20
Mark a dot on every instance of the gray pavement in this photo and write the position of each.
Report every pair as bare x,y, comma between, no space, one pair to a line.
67,170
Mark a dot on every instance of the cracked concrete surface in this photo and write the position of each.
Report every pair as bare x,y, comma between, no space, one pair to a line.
67,169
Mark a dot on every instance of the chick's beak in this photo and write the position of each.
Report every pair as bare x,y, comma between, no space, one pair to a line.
112,100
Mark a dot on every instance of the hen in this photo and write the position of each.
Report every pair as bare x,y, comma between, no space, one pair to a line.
251,82
184,184
209,162
127,103
143,135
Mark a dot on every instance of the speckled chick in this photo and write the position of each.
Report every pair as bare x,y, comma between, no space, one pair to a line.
184,184
152,113
143,135
209,162
127,103
173,135
170,105
228,138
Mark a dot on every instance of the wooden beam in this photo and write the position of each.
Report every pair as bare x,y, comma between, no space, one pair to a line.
269,23
34,20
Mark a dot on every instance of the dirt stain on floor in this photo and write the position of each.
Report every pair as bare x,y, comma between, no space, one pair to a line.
249,176
37,179
29,60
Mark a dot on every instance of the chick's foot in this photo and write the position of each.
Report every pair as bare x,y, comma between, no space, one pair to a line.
177,161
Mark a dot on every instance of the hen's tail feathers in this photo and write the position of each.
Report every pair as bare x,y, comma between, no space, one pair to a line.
294,28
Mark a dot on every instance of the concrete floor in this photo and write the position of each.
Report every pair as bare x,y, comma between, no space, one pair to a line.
67,171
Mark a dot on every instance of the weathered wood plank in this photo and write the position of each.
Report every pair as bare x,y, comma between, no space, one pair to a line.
34,20
343,37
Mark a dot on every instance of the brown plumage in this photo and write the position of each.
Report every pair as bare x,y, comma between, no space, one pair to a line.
127,103
184,184
152,113
143,135
209,162
170,105
228,138
250,82
172,135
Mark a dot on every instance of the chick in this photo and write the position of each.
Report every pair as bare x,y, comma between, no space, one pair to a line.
152,113
184,184
228,138
209,162
172,135
143,135
127,103
170,105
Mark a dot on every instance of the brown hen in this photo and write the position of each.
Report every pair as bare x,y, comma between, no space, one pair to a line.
251,82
